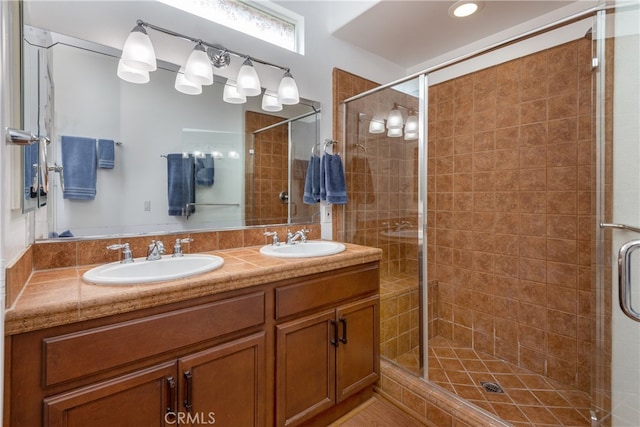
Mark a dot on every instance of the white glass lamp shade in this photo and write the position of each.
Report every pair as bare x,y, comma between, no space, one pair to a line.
288,90
132,75
376,126
248,80
395,120
394,132
270,101
198,67
408,136
411,125
231,94
138,51
185,85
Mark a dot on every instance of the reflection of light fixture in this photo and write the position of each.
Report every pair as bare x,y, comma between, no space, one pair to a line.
394,132
216,155
411,125
248,80
270,101
185,85
234,155
198,69
231,94
463,8
138,53
376,126
395,124
394,119
132,75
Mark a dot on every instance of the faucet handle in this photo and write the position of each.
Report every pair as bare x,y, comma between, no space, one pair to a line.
177,247
126,252
303,234
274,234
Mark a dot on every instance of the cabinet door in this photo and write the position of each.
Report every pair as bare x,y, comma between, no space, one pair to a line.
225,384
357,362
305,367
141,398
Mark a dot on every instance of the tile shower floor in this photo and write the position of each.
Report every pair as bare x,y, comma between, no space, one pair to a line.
528,400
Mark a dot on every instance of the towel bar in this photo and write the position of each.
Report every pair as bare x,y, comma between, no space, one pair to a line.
188,205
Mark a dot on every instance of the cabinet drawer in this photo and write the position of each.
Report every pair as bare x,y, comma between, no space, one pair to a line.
326,290
91,351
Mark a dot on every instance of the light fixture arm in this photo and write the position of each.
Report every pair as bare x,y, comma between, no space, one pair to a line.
217,47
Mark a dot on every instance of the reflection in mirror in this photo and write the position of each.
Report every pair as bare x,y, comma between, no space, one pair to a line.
145,124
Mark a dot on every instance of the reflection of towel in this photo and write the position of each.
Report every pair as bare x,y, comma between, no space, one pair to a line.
312,181
66,233
204,170
361,171
106,154
332,175
79,162
31,186
180,183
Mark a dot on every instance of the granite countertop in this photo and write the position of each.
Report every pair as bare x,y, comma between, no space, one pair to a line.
59,296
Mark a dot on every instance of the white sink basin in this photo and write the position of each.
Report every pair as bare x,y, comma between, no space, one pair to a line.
143,271
311,248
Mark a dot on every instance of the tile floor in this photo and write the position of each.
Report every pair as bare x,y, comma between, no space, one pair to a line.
529,399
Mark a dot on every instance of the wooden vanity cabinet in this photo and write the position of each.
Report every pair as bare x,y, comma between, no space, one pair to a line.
327,356
220,385
301,350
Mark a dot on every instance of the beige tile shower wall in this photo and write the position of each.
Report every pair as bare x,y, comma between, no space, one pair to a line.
510,210
269,170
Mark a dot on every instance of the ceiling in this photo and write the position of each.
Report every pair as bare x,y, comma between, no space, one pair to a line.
409,33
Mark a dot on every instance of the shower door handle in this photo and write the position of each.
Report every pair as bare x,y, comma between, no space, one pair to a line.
624,279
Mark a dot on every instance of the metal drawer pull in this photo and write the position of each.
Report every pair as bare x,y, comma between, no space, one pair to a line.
624,279
620,227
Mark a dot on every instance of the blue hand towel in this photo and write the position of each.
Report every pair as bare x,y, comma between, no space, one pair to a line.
180,183
204,170
80,164
323,177
312,181
106,153
335,183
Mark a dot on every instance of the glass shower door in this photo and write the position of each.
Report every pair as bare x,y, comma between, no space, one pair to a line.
617,368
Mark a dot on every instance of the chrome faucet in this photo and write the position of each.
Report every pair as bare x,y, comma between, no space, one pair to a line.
274,234
300,234
155,251
177,247
126,252
402,225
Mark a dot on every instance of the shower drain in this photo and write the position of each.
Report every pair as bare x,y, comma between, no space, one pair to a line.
491,387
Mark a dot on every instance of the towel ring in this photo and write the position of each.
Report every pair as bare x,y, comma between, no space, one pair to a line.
313,148
329,142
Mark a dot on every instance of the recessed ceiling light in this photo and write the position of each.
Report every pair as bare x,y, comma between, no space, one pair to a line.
463,8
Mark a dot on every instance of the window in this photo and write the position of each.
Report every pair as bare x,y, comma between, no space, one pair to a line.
264,20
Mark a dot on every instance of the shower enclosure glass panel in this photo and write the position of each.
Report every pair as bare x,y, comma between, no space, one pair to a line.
382,169
617,352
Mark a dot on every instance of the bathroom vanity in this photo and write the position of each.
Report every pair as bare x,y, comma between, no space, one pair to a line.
258,342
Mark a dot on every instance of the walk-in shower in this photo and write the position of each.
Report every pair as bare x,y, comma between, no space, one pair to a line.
495,277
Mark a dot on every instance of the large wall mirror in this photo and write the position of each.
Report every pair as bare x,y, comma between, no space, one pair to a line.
253,162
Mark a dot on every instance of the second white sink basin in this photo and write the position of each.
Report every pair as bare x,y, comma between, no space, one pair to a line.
311,248
143,271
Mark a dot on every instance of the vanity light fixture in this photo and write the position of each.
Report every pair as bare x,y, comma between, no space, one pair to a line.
464,8
198,69
394,132
138,54
411,125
